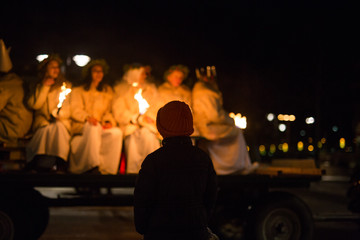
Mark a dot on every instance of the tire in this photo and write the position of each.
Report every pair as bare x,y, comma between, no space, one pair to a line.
6,227
27,210
281,216
228,224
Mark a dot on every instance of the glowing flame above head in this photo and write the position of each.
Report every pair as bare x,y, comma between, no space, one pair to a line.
62,96
240,121
143,104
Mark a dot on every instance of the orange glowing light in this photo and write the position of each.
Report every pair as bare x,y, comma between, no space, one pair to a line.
285,147
342,143
143,104
300,146
240,121
310,148
62,96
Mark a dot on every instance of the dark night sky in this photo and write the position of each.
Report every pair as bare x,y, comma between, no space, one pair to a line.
292,58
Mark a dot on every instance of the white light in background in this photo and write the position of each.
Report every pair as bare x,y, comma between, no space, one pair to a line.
41,57
335,128
81,60
270,117
310,120
282,127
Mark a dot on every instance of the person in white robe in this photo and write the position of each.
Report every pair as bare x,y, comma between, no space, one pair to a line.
96,143
173,88
15,118
138,123
51,127
224,142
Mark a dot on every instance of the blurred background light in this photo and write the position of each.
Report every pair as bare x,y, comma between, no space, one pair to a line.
280,147
342,143
310,120
41,57
81,60
286,117
285,147
300,146
311,148
335,128
270,117
282,127
262,150
272,148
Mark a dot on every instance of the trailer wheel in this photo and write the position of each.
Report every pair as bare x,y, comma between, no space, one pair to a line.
281,216
6,227
27,210
227,223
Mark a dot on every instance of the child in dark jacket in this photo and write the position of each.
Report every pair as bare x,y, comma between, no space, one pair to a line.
175,191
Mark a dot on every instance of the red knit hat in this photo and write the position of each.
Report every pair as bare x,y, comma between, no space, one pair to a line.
175,119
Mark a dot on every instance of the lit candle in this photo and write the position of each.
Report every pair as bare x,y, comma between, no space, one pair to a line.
240,121
208,73
213,71
143,104
62,96
197,73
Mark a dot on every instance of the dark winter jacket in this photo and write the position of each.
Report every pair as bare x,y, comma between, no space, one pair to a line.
175,192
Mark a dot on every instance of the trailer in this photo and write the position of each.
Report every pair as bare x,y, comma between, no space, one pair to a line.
247,205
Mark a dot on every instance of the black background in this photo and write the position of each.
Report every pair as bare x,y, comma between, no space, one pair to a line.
288,57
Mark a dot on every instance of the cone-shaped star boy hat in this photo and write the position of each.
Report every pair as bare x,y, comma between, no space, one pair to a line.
5,62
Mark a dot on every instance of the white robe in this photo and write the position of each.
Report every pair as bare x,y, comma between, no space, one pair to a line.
52,139
15,118
140,138
225,142
96,147
137,146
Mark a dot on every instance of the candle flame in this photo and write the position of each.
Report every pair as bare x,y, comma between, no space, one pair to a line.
240,121
62,96
143,104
